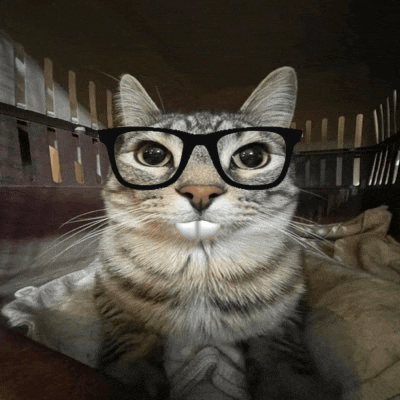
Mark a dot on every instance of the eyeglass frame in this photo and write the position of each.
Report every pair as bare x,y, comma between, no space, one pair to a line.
190,141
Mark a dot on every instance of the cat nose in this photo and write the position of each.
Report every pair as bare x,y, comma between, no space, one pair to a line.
200,196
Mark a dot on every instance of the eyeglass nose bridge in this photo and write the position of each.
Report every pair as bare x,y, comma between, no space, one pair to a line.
211,146
212,155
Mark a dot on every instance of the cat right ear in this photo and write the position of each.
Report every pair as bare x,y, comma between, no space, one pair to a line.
136,108
273,102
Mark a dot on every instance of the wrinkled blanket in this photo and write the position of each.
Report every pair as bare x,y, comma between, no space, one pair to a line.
359,283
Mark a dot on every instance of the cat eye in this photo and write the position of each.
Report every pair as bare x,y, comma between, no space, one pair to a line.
153,154
254,155
146,158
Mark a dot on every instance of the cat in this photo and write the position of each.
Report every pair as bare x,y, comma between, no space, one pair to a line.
245,282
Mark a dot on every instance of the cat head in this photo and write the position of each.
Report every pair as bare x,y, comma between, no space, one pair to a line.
200,195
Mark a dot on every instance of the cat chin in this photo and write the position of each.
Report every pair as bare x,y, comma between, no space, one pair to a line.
203,230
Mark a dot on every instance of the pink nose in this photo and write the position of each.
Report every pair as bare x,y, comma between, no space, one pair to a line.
201,196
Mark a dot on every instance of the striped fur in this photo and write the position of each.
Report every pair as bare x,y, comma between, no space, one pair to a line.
154,283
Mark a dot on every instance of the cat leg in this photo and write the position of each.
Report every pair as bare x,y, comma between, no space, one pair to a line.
135,359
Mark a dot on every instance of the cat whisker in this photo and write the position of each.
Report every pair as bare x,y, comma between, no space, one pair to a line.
67,237
81,215
310,231
313,194
306,244
95,224
80,229
161,100
92,234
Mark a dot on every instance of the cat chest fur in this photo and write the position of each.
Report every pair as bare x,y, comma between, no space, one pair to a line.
207,308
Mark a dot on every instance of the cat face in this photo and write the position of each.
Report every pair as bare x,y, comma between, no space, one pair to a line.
200,205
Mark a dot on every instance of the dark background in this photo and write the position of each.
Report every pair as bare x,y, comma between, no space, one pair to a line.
202,54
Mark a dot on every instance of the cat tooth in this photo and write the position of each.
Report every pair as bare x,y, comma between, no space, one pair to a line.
187,229
198,229
207,230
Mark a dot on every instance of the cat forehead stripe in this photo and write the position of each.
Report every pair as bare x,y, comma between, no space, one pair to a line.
201,122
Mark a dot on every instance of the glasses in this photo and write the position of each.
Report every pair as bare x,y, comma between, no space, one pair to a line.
146,158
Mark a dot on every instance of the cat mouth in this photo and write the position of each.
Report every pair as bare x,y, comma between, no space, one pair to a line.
203,230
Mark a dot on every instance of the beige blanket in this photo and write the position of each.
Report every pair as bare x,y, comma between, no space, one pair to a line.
364,294
359,287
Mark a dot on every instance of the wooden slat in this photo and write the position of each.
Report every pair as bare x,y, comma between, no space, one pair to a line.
385,135
68,154
378,157
307,173
322,175
92,105
378,168
7,70
396,168
376,125
340,137
383,167
88,159
389,133
382,118
324,130
340,145
55,164
78,166
358,132
35,86
73,101
357,143
375,166
20,76
104,161
61,103
307,137
388,127
324,139
10,159
84,117
49,87
388,167
96,150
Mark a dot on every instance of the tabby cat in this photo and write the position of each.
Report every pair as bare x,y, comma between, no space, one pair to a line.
233,275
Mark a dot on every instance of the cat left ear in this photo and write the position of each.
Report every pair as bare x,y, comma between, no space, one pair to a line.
136,106
273,102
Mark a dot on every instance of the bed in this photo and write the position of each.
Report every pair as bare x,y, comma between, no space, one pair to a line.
52,168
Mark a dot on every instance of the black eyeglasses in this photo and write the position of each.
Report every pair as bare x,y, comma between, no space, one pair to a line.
145,158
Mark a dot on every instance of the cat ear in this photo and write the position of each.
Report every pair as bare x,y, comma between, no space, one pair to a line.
274,100
136,108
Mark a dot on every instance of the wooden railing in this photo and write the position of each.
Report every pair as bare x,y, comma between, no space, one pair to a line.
47,138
